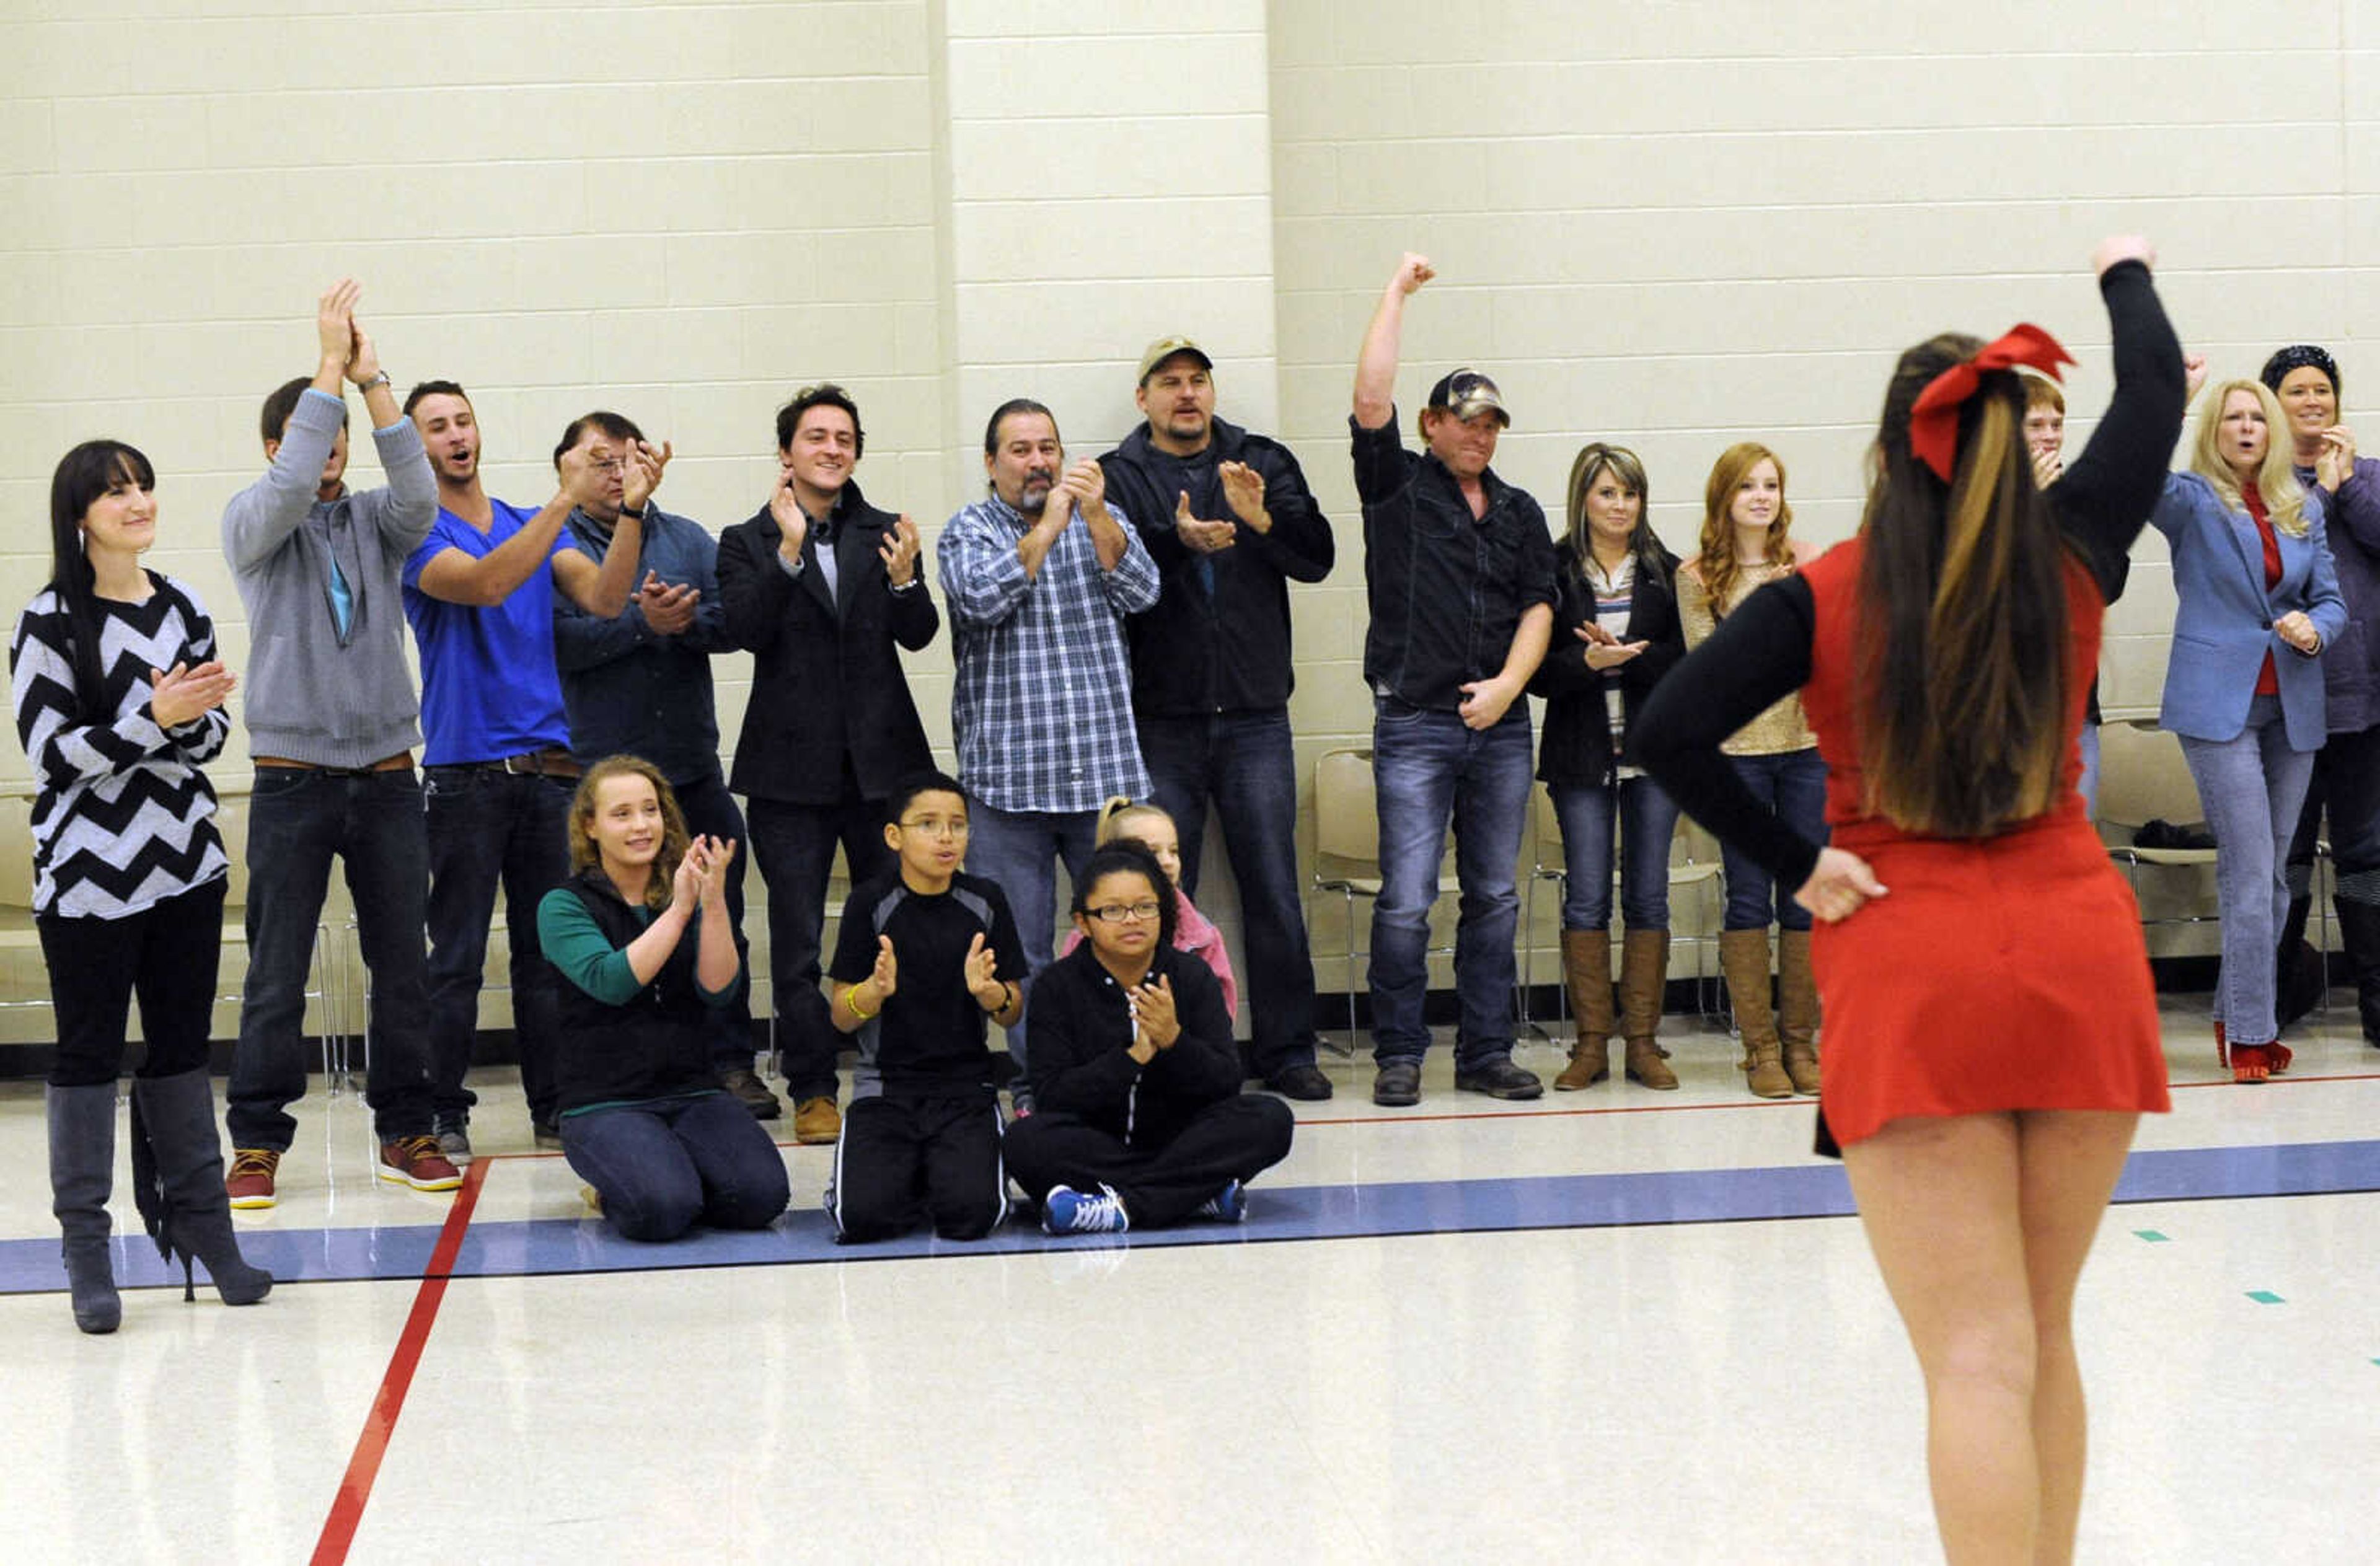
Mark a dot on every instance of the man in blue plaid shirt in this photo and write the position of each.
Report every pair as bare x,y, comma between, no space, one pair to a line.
1039,576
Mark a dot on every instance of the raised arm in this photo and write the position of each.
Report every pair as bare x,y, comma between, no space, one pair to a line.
1375,364
453,576
261,518
2108,492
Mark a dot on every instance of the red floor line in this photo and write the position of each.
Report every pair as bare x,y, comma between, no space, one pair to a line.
363,1466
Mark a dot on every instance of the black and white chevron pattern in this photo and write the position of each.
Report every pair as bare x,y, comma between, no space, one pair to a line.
124,818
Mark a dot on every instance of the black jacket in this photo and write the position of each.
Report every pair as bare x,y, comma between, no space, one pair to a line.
824,683
657,1045
1199,652
1577,744
1081,1032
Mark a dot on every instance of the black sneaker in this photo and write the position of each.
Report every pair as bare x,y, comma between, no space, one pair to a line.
1499,1078
1398,1084
546,1135
1305,1082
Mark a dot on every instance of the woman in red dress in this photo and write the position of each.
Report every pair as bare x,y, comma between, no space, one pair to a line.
1992,1029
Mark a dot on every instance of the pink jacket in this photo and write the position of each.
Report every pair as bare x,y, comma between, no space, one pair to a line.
1197,934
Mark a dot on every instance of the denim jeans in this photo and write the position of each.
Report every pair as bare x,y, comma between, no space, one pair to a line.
709,811
1020,849
2250,787
793,846
661,1166
2086,745
1427,769
1793,786
296,820
1648,820
1245,763
489,828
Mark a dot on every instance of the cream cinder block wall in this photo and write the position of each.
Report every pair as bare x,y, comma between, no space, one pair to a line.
1676,225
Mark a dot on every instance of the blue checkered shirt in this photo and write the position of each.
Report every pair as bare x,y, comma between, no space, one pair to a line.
1042,707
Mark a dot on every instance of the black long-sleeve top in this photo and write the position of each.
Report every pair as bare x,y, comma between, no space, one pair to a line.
1762,651
1577,745
1081,1031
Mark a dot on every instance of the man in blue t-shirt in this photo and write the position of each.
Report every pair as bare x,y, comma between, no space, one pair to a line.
497,769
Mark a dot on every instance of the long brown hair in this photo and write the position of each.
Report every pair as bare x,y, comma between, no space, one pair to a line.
585,854
1960,642
1594,460
1718,567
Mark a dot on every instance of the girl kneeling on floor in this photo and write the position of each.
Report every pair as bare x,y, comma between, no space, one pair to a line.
640,933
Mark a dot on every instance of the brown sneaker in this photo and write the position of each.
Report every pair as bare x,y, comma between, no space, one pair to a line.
416,1161
817,1119
249,1182
752,1093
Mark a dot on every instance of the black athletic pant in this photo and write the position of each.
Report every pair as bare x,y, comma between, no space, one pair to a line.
901,1158
1234,1139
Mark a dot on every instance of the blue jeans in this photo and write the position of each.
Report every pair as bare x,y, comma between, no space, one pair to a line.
1648,820
1429,768
489,828
1020,849
795,847
2250,787
296,820
1793,786
661,1166
2086,745
1245,761
709,811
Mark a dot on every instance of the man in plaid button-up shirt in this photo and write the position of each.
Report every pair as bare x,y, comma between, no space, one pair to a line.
1039,576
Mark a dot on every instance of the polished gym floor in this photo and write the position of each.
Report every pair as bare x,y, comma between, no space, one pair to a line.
1612,1326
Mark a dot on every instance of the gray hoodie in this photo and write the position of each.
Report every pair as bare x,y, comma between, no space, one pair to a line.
312,694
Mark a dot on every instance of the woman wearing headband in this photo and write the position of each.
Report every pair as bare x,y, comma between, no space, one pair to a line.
2347,768
1992,1027
2257,602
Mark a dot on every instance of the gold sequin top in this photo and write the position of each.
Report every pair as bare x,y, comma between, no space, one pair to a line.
1780,728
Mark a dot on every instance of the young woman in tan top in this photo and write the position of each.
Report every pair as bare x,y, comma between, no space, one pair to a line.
1747,544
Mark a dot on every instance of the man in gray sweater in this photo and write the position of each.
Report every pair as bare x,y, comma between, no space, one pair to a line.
332,723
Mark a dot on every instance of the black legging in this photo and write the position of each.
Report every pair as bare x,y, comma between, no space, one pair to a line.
165,954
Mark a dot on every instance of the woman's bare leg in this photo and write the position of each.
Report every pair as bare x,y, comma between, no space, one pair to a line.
2070,1160
1940,1201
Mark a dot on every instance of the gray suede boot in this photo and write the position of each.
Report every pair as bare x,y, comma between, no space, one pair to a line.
179,1182
82,1175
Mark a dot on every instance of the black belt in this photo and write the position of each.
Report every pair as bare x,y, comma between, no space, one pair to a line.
550,763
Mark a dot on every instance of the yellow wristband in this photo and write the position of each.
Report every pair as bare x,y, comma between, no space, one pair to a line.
851,1002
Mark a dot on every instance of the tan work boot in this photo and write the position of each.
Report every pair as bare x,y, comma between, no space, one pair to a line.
1797,1008
1586,971
1743,958
1644,973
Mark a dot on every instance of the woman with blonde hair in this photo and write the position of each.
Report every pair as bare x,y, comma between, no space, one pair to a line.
640,936
1615,635
1993,1034
1746,544
2257,600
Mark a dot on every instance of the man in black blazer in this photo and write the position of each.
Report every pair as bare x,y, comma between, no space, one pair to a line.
824,589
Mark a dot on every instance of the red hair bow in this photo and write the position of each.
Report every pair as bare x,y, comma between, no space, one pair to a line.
1934,422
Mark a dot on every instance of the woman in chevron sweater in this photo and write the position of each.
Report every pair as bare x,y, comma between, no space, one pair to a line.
119,697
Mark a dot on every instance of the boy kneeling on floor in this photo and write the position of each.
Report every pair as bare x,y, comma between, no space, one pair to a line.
1140,1121
927,955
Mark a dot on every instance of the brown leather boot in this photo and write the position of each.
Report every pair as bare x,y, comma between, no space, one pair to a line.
1586,970
1743,958
1797,1008
1644,973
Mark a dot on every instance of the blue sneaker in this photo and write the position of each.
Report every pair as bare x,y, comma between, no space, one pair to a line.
1068,1211
1229,1205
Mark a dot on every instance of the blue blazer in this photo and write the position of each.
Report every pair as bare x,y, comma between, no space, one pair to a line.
2223,626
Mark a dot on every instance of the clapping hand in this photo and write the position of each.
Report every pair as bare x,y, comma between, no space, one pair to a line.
1244,492
643,475
982,977
1205,536
886,975
899,553
1605,650
181,694
1153,1013
668,610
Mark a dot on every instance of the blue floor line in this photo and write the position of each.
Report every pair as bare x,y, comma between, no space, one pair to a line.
549,1247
